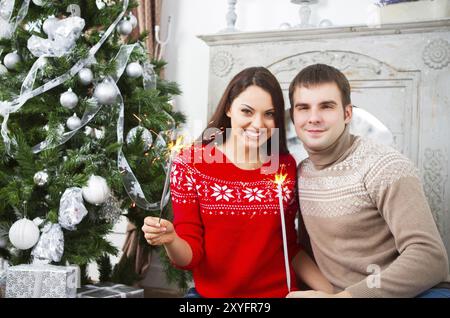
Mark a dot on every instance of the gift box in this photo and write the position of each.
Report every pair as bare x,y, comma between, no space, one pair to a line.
3,267
2,284
109,290
41,281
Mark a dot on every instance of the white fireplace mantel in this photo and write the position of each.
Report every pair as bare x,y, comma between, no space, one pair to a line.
398,72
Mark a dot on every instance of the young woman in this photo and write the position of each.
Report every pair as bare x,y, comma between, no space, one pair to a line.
227,225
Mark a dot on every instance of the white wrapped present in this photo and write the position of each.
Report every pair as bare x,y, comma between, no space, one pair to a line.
41,281
109,290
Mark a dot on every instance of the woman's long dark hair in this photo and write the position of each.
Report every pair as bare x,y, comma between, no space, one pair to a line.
263,78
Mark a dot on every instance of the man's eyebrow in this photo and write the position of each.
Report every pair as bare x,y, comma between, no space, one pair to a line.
328,102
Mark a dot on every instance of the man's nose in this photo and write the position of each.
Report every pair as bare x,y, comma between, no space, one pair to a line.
314,116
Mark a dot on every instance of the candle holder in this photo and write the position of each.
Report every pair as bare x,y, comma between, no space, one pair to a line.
304,12
231,17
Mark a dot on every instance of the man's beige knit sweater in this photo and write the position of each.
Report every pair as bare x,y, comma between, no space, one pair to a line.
367,211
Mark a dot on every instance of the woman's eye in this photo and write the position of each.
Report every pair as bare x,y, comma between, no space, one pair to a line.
270,115
246,111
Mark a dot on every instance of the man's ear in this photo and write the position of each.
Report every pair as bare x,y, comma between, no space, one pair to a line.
348,113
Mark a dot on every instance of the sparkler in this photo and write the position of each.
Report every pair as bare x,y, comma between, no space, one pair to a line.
174,148
279,179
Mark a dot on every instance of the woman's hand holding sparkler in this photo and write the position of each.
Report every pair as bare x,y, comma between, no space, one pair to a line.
161,232
158,231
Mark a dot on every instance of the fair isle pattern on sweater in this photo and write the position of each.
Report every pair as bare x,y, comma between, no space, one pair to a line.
224,197
353,184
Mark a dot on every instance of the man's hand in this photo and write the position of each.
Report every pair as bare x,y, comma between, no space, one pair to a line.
317,294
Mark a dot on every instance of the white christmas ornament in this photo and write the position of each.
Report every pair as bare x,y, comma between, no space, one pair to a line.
11,60
86,76
49,24
133,20
105,93
40,178
97,191
146,136
39,3
124,27
69,99
73,122
24,234
134,70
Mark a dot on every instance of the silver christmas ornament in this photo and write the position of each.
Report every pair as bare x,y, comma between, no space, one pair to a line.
110,211
85,76
133,20
105,93
39,3
134,70
69,99
146,136
40,178
73,122
124,27
11,60
49,24
3,70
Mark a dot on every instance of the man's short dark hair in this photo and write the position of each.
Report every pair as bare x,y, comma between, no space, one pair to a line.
320,74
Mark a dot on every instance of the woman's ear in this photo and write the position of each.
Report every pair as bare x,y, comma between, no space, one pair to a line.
228,113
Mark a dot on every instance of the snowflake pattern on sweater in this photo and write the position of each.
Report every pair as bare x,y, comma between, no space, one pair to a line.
189,185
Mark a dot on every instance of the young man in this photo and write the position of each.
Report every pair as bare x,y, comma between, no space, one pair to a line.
370,227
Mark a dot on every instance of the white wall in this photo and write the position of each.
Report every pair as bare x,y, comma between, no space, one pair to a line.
188,56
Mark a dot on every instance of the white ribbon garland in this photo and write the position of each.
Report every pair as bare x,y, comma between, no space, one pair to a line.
8,107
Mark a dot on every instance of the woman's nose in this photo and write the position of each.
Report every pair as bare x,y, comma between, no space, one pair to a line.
258,121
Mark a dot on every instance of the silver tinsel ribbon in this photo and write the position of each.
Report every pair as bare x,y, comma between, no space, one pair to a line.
6,10
27,92
50,247
130,182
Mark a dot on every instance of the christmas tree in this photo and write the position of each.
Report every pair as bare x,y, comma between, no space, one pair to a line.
86,128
